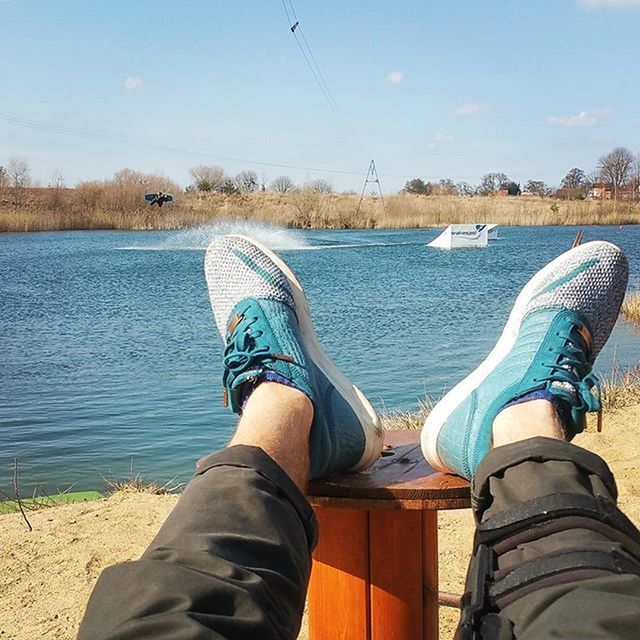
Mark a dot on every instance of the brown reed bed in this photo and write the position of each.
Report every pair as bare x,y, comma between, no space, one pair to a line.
120,205
631,307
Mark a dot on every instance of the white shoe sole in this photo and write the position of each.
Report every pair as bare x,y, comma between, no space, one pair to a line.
367,415
452,400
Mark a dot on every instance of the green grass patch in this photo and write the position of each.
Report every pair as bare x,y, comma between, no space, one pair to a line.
41,502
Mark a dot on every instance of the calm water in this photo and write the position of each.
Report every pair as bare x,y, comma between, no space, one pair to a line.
110,359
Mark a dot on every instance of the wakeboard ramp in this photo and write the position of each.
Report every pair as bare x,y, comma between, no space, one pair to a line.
456,236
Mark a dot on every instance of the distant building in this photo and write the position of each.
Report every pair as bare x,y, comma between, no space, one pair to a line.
502,193
601,191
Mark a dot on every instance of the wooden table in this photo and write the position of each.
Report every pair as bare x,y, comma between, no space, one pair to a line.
375,569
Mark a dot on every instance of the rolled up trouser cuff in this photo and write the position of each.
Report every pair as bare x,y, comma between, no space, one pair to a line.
248,457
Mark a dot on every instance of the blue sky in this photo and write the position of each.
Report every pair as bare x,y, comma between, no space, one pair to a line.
430,88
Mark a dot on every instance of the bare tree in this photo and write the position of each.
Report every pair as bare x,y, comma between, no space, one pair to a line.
19,177
320,186
635,178
57,180
492,182
615,168
4,177
207,178
246,181
56,185
447,187
537,187
465,189
418,186
575,179
282,184
18,171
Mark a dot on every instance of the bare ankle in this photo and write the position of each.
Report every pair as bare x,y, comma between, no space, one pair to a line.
527,420
278,418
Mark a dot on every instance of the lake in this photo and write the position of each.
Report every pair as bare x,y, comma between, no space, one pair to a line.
110,360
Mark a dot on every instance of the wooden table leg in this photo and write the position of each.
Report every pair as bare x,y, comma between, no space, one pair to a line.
339,586
375,576
404,574
430,585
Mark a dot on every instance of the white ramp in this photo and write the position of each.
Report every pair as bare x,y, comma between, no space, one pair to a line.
492,230
461,235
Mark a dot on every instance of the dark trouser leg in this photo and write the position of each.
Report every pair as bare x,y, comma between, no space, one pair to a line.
553,556
232,561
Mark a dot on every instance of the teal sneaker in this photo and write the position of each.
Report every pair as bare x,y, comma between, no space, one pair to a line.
559,323
262,315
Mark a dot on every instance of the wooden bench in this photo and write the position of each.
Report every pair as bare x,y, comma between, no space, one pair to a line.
375,569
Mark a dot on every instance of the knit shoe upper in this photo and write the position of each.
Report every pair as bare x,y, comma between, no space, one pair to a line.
263,318
559,324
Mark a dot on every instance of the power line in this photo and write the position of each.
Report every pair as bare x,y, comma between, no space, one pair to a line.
99,137
295,27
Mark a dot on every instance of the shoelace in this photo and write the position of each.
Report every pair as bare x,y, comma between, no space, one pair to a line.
245,351
571,366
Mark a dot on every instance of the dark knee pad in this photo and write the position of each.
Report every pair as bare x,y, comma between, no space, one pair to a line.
609,543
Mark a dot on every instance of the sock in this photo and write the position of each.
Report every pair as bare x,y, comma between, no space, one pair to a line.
562,407
265,376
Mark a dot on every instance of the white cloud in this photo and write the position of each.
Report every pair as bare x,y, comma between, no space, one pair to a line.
593,4
583,119
472,109
395,77
131,84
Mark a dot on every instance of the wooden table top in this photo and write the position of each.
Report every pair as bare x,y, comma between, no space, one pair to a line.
400,479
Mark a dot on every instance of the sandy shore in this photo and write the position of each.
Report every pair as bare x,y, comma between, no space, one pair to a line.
46,575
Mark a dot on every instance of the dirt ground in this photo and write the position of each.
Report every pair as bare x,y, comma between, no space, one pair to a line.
46,575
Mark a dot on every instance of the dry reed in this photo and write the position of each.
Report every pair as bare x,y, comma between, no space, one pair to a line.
120,205
631,307
621,389
396,420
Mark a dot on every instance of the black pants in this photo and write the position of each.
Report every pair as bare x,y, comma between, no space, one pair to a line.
234,557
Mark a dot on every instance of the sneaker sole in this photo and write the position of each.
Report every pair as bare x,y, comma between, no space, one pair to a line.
357,400
452,400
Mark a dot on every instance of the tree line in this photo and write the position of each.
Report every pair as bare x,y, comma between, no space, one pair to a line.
617,172
214,178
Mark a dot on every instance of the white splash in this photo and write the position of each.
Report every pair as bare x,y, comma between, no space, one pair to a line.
199,238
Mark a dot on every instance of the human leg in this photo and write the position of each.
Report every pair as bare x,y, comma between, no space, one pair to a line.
233,558
553,556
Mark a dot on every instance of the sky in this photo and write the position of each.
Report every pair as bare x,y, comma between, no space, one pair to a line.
431,89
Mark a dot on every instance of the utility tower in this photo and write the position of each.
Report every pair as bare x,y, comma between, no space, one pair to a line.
372,176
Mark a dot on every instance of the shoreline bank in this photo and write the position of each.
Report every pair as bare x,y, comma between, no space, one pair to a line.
46,575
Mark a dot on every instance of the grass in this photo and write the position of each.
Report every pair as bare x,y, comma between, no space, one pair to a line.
631,307
114,205
42,502
621,389
396,420
136,483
